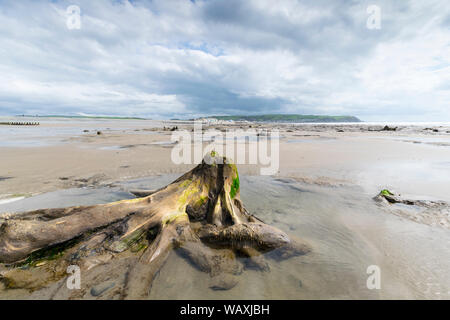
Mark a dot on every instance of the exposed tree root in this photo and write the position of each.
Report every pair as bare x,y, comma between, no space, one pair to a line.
121,246
429,212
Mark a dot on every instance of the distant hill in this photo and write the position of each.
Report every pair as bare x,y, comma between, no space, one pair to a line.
288,118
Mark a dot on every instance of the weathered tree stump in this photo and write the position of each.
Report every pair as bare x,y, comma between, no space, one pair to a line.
200,215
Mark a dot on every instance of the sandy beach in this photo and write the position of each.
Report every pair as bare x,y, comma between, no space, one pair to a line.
72,154
322,192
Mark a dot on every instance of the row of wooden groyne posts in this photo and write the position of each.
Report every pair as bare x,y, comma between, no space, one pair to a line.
20,123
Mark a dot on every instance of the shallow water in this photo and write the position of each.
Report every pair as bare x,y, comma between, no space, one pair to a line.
53,131
426,179
418,171
345,228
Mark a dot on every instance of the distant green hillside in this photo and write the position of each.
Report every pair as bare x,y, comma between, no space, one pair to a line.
289,118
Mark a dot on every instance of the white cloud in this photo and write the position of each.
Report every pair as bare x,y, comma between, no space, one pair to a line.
175,58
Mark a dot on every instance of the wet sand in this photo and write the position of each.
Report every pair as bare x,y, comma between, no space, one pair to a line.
346,229
414,160
322,193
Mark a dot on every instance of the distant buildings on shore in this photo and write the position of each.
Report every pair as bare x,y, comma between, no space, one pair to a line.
215,121
278,118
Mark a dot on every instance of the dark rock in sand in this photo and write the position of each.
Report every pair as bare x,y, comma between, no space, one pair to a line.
387,128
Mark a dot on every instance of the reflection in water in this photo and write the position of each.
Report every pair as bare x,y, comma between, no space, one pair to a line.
346,230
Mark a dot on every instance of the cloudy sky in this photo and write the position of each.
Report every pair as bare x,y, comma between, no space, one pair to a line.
174,58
